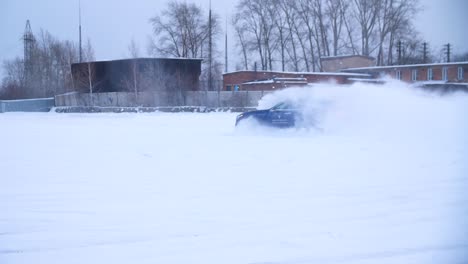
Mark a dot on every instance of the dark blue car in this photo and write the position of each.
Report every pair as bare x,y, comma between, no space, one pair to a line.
281,115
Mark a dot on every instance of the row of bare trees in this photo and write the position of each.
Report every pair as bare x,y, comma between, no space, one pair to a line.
47,70
293,35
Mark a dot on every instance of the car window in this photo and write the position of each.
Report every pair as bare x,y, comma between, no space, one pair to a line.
282,106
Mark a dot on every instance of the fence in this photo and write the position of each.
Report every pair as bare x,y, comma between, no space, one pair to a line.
162,99
27,105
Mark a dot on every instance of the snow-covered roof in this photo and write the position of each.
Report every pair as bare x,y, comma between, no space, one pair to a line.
279,80
407,66
364,80
290,79
143,58
340,74
260,82
308,73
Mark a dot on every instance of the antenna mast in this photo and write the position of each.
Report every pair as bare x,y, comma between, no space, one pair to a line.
210,46
226,48
79,18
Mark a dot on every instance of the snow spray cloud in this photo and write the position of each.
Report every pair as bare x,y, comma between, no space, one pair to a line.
391,109
393,135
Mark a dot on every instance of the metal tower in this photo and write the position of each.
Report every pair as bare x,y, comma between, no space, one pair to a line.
28,39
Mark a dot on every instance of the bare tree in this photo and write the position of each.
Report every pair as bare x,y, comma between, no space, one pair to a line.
281,31
366,13
307,14
336,11
47,70
321,27
181,29
86,78
13,84
133,49
88,51
240,29
290,12
349,23
132,82
394,17
247,13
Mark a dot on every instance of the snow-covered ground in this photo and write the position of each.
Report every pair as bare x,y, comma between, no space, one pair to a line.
383,178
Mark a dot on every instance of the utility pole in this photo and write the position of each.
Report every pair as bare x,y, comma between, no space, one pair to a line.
28,40
79,21
399,51
425,52
447,51
210,55
226,50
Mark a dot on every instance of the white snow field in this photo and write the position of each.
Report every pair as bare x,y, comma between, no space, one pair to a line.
382,178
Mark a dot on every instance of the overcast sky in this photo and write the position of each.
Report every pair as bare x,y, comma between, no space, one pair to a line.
111,24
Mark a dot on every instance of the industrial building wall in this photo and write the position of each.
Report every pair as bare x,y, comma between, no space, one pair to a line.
150,75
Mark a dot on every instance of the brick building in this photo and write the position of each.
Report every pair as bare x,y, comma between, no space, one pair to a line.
269,80
454,72
338,63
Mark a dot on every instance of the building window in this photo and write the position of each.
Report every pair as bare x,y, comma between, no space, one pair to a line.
228,87
429,74
398,75
445,73
414,75
460,73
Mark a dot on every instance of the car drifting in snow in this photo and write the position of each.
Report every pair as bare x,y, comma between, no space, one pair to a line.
284,114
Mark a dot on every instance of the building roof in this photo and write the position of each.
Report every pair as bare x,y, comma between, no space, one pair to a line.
406,66
307,73
130,59
280,80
